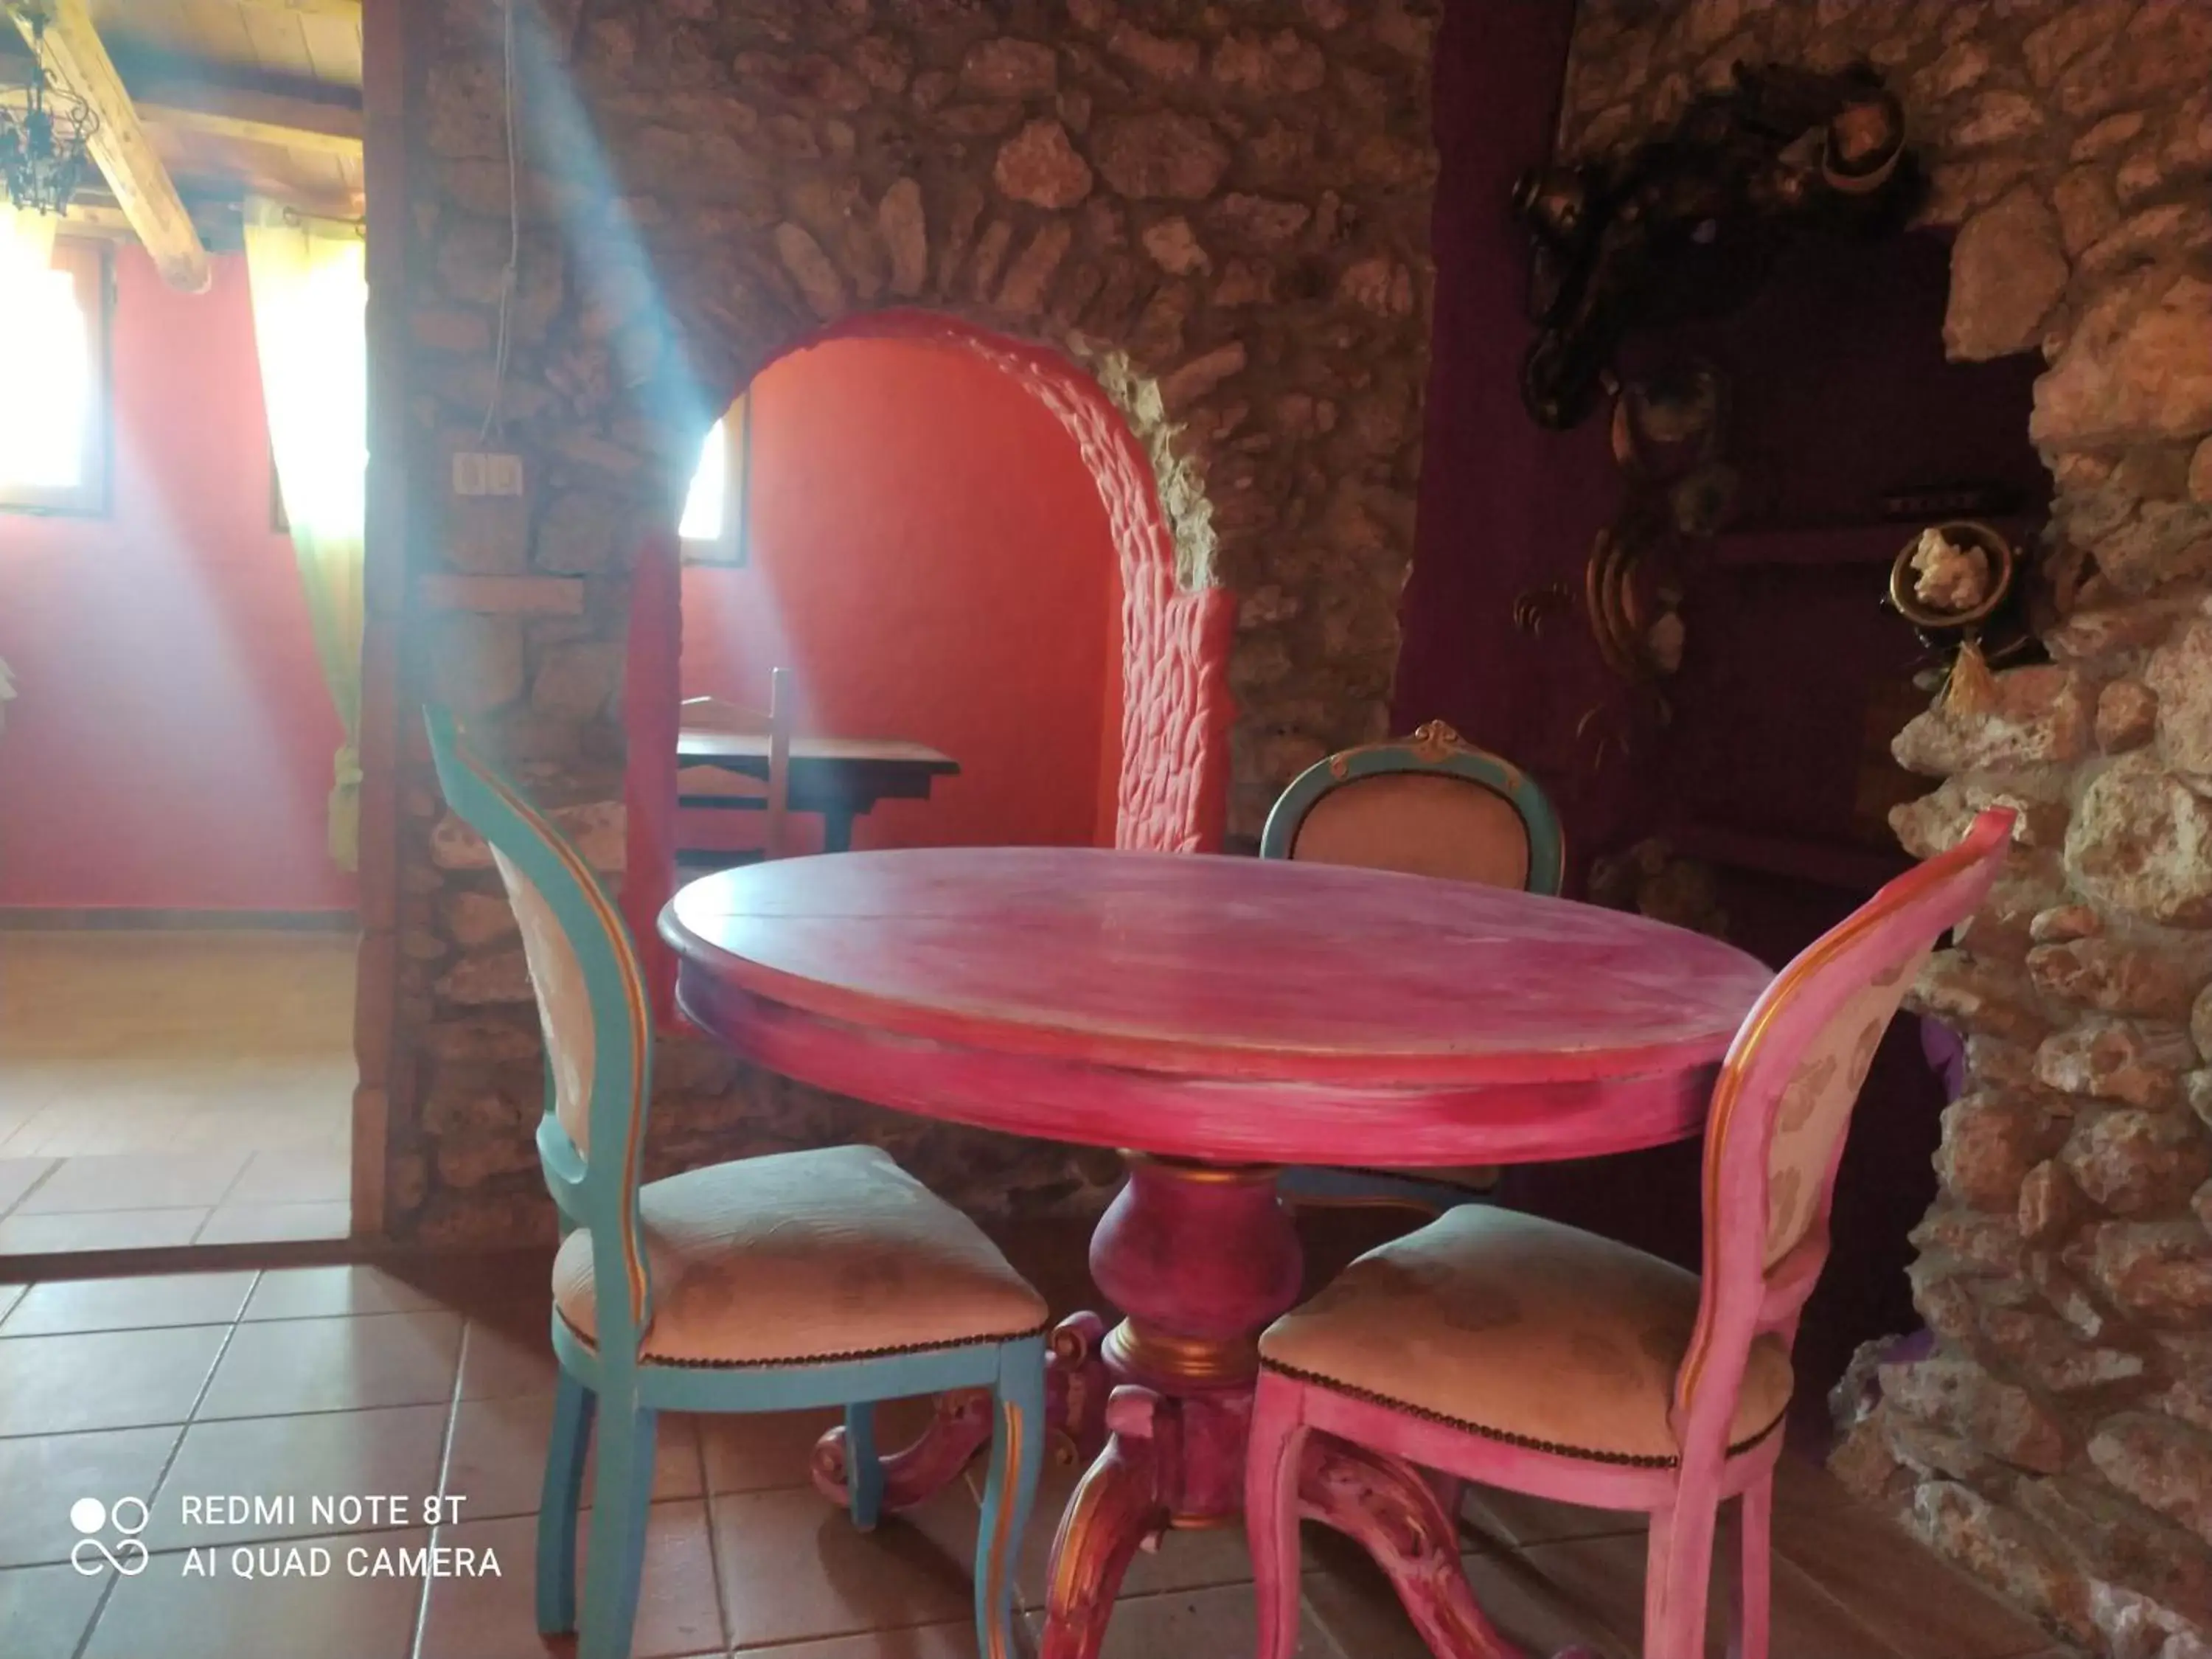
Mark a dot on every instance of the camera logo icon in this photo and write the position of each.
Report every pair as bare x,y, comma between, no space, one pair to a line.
92,1554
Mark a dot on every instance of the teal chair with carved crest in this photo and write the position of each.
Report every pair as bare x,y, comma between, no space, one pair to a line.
828,1276
1430,804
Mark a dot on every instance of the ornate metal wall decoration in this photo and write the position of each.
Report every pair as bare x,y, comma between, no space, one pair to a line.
1688,224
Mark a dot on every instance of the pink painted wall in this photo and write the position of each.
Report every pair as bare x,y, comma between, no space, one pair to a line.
170,745
930,556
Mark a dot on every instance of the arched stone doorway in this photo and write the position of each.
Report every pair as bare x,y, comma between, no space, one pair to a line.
1176,632
1198,237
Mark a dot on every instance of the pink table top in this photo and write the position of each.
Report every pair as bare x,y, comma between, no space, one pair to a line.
1168,982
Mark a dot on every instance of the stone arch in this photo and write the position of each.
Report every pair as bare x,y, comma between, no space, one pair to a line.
1200,235
1177,620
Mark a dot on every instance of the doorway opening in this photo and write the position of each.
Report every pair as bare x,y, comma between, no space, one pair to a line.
180,617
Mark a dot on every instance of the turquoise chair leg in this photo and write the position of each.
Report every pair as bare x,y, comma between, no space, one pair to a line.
615,1560
864,1470
1017,1459
573,1407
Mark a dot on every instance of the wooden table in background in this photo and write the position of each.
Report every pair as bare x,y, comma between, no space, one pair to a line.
1217,1017
840,778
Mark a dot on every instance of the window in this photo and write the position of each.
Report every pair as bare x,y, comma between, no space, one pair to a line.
53,336
713,522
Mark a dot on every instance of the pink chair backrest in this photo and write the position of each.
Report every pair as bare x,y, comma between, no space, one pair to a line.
1776,1131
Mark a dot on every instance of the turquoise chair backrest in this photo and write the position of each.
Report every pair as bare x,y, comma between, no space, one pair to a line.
592,1003
1428,804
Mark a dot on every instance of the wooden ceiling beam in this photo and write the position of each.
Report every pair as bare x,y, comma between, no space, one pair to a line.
348,10
77,62
191,95
234,107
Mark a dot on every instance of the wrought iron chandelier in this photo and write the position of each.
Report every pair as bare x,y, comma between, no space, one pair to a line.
46,135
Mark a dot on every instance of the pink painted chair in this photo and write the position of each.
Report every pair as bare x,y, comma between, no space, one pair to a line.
1500,1347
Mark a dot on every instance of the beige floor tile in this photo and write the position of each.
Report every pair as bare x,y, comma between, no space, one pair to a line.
99,1230
162,1610
1217,1621
286,1366
486,1618
104,1379
497,1459
920,1642
291,1462
145,1302
498,1362
1355,1603
44,1611
1493,1515
326,1292
793,1568
309,1175
10,1296
1185,1560
1603,1577
181,1045
760,1451
1916,1603
19,1176
44,1474
136,1181
272,1224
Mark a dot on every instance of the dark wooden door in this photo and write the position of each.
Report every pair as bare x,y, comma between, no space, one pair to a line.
1773,766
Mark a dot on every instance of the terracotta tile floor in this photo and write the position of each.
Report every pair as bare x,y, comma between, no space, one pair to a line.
173,1088
338,1381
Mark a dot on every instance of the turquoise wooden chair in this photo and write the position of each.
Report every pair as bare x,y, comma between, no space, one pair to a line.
1430,804
829,1277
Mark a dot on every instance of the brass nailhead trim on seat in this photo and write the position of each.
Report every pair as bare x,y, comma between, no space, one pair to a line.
1631,1460
812,1358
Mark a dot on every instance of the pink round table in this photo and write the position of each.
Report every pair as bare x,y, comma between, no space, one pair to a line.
1215,1019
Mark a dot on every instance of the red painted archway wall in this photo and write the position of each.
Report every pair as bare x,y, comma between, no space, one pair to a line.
1172,789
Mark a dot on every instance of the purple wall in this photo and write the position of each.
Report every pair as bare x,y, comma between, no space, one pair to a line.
1503,501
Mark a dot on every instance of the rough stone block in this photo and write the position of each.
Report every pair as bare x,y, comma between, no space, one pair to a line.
2135,1061
2138,366
488,977
2155,979
2008,267
2138,1162
2160,1463
2141,841
1160,155
1039,165
1960,1397
1991,1142
2040,715
2161,1271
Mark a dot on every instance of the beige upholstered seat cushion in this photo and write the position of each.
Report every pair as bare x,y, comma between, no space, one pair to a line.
803,1256
1522,1330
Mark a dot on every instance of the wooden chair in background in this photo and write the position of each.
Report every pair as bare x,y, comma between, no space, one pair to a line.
1430,804
701,783
769,1284
1503,1348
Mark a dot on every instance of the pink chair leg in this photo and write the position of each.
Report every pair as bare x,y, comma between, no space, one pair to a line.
1747,1631
1272,1461
1678,1573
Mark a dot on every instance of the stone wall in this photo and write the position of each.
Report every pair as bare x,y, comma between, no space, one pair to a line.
1218,213
2059,1440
